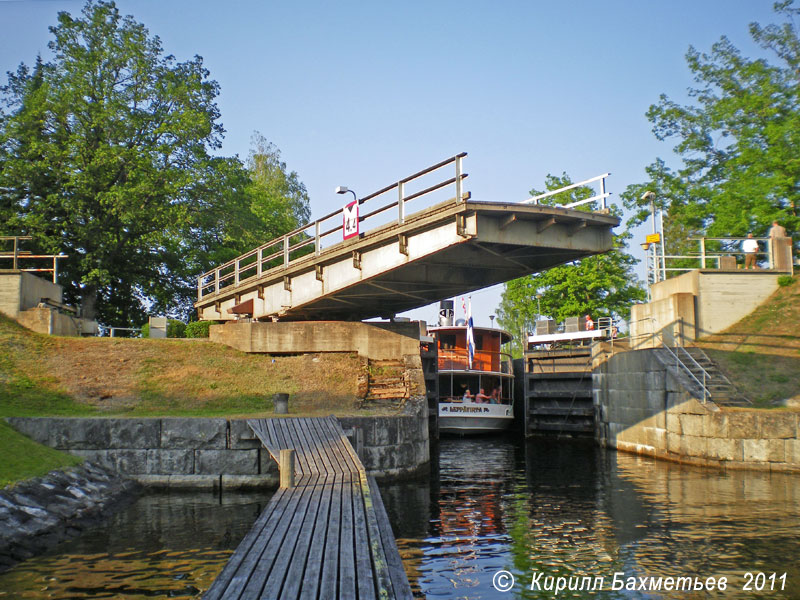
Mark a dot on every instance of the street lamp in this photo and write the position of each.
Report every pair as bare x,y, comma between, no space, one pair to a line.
539,305
344,189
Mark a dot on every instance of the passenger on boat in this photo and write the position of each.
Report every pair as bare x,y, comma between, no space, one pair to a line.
481,397
495,398
467,394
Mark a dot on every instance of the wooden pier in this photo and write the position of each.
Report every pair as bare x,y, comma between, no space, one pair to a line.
326,537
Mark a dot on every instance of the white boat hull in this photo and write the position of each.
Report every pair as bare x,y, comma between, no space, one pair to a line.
472,418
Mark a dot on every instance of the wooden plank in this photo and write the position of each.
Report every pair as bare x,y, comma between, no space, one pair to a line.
315,453
271,556
238,570
347,558
289,434
400,586
329,536
323,462
304,441
336,460
294,546
330,562
335,433
310,579
377,552
365,578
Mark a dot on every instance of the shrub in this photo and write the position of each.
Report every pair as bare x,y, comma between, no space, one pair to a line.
785,280
175,329
198,329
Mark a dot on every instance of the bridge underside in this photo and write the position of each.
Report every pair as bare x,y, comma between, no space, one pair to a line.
448,250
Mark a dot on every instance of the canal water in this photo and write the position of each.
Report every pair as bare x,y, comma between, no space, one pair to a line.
544,513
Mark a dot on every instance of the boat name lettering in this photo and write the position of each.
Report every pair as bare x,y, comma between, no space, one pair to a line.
465,409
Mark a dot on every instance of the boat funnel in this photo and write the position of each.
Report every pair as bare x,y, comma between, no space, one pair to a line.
446,313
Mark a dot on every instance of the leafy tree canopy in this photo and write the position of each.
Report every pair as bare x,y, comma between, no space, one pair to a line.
105,155
601,286
737,139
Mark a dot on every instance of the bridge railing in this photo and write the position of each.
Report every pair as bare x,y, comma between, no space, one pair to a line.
602,195
318,235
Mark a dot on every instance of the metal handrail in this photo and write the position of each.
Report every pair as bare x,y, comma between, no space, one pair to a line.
312,234
679,362
601,196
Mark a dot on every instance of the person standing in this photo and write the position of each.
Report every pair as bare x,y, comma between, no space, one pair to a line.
776,231
750,248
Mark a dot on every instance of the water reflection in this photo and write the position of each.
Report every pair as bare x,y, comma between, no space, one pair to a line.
550,507
567,509
162,546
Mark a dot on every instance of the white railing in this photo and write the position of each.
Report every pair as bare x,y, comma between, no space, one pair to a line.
16,256
600,196
317,236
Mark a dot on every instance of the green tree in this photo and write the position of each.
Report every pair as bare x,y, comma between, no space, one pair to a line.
601,286
737,140
104,155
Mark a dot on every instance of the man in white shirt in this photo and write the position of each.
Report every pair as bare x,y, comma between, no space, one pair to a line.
750,247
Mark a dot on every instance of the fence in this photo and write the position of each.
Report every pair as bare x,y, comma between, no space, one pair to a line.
16,256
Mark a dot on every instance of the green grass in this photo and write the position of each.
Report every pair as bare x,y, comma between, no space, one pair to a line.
23,458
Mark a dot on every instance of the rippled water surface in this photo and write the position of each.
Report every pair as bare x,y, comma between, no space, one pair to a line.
572,510
557,508
163,546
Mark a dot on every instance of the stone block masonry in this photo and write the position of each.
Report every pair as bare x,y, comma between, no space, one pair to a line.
657,416
220,453
38,513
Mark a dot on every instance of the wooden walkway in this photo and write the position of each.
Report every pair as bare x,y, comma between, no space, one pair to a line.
327,537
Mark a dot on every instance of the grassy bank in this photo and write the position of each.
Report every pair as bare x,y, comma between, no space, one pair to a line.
761,353
45,376
24,458
53,376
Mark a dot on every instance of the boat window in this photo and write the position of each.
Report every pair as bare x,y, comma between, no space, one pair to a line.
478,342
447,341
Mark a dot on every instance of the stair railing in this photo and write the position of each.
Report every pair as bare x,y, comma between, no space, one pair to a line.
680,365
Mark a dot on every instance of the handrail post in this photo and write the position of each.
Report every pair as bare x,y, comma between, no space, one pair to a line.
603,193
285,251
702,253
259,258
401,207
316,238
236,272
216,280
459,191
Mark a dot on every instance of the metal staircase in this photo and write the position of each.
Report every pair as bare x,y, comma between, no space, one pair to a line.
702,375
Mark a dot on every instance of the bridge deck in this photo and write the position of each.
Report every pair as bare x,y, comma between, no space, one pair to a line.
328,537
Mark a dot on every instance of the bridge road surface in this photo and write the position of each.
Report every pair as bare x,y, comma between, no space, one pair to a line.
327,537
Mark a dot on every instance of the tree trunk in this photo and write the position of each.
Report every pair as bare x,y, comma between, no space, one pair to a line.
89,302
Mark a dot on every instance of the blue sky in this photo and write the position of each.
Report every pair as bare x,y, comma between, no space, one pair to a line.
364,93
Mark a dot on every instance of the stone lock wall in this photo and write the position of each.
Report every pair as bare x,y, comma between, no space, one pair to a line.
217,453
642,407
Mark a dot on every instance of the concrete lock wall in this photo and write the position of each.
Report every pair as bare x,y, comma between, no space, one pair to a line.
687,307
374,340
20,291
214,453
641,407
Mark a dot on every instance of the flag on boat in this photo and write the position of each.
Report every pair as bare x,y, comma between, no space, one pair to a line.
470,335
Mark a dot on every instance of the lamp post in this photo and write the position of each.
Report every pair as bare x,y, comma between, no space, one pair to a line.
342,189
646,247
538,305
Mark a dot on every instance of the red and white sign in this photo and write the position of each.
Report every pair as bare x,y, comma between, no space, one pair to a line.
350,224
